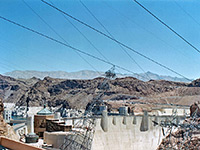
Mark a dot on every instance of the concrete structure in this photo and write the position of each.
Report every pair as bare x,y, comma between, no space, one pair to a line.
30,124
34,110
123,110
40,121
101,109
53,125
7,115
119,133
19,111
168,111
31,137
9,106
104,121
63,111
44,111
56,139
57,115
71,120
127,137
145,122
68,122
20,129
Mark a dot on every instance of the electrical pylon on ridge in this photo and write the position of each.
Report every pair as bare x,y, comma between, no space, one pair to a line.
81,136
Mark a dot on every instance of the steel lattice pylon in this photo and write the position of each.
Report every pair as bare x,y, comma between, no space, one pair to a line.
182,138
81,136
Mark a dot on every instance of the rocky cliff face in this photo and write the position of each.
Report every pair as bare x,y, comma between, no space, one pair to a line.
5,129
195,83
12,89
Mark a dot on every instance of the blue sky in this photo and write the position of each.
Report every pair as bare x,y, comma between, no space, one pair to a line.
124,19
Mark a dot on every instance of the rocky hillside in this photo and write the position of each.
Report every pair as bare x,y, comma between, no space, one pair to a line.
195,83
13,89
77,93
5,129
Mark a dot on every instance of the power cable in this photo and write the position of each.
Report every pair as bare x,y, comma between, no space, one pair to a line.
11,64
5,66
113,38
162,22
83,35
145,29
31,59
187,13
64,44
59,35
25,58
100,32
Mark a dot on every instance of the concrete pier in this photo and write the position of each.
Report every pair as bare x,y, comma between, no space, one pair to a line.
104,121
156,120
144,124
114,121
30,124
124,120
134,120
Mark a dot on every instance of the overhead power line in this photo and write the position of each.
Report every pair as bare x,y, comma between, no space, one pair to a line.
104,34
187,13
85,37
59,35
24,56
145,29
162,22
114,38
64,44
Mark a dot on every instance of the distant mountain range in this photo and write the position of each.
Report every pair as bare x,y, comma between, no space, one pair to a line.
86,74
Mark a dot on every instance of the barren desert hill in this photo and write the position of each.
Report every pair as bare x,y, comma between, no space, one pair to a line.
77,93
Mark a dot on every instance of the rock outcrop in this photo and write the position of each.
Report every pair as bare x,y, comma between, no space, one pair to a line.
5,129
186,135
195,83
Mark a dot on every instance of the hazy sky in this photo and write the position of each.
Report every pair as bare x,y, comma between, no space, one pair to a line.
124,19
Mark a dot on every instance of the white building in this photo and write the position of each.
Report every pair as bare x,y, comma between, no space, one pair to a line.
168,111
7,115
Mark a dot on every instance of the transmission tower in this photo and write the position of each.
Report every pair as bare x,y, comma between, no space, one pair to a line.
81,136
183,137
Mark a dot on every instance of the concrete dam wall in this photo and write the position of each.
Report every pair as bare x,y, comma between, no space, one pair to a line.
117,132
127,133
